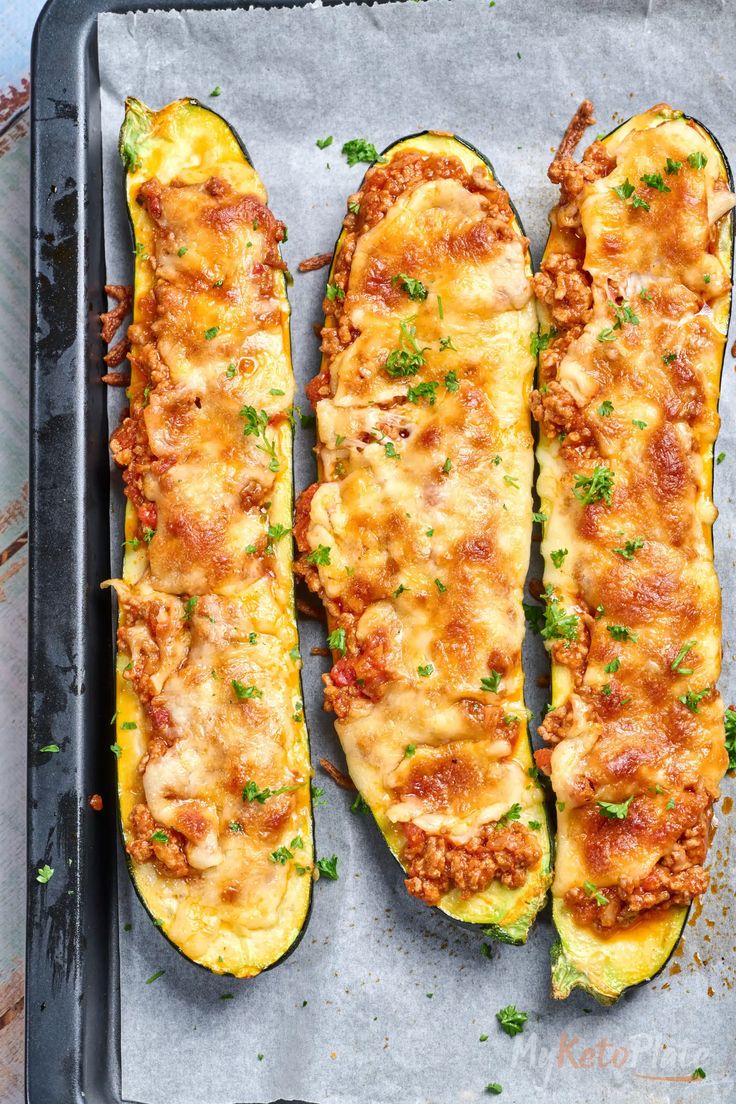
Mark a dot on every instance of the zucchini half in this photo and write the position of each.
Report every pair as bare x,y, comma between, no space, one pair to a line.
415,457
211,735
658,152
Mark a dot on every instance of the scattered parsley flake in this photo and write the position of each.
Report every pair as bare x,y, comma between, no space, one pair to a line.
558,556
358,149
595,487
211,333
336,641
320,556
245,693
697,160
491,682
630,549
323,143
511,1020
605,409
620,632
415,289
425,672
44,874
613,810
328,868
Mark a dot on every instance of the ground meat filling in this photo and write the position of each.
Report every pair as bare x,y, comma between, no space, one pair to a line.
153,842
673,882
435,865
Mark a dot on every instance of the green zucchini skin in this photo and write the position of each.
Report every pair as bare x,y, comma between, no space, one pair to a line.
566,976
134,130
516,933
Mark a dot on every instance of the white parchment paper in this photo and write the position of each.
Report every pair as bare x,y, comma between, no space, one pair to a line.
386,1001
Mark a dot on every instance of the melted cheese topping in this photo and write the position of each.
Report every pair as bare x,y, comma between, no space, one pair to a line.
209,700
644,376
424,504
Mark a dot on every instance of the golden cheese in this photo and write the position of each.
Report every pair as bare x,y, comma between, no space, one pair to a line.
628,412
417,535
210,722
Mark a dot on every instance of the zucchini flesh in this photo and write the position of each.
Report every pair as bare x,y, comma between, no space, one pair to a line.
417,535
213,757
629,382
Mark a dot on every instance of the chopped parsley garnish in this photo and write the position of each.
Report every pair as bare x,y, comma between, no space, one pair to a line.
354,208
626,190
230,371
159,836
320,556
447,466
623,314
595,487
334,292
216,91
235,826
189,606
181,250
336,641
672,167
535,825
281,855
615,811
155,977
539,516
613,666
698,1074
116,750
675,666
729,721
328,868
606,690
637,201
129,724
440,308
638,423
323,143
511,1020
605,408
620,632
415,289
446,343
423,390
245,693
512,481
693,698
425,672
450,381
697,160
514,813
51,748
440,586
558,556
491,682
592,890
211,332
669,357
540,341
44,874
534,616
359,805
253,792
558,623
654,180
410,750
630,549
408,358
720,457
358,149
318,796
399,590
606,335
256,423
494,1088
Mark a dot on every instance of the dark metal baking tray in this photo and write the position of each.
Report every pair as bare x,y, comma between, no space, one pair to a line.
72,990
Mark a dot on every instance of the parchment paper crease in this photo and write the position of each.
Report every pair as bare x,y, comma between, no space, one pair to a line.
385,1001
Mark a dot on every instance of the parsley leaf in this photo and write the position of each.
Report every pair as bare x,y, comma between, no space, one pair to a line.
605,408
245,693
620,632
336,641
558,556
492,682
415,289
697,160
323,143
559,624
511,1020
423,390
320,556
693,698
614,811
44,874
358,149
624,191
654,180
729,721
593,488
540,341
328,868
630,548
408,358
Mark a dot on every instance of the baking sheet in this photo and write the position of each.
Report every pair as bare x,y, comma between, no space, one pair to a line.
386,1001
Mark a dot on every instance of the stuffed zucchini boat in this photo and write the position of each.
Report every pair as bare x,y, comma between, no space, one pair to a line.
213,759
417,535
635,296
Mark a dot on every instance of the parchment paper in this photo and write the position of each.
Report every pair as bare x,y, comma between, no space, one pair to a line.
386,1001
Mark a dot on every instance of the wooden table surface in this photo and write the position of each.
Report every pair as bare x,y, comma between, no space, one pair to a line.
16,26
